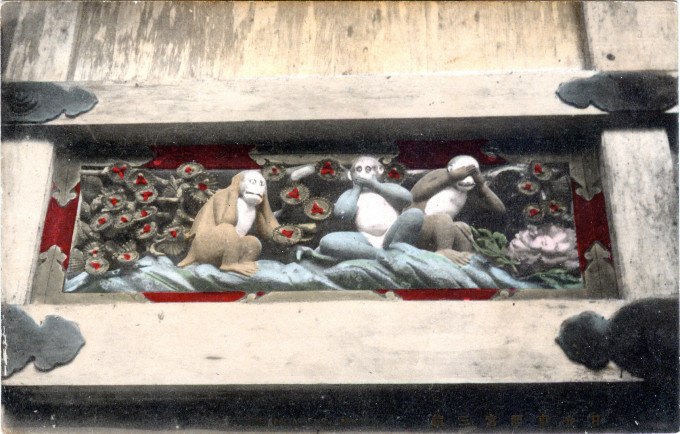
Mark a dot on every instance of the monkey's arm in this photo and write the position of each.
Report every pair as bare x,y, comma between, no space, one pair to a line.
430,184
485,198
394,194
224,206
346,205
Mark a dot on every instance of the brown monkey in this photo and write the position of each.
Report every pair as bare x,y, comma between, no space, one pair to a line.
222,224
441,195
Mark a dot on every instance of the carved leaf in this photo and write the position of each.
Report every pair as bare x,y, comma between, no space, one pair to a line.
599,275
49,276
585,171
66,177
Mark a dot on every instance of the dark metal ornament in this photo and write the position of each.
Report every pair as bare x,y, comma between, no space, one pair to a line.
622,91
56,342
39,102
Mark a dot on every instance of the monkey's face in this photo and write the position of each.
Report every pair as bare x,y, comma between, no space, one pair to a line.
253,187
467,183
366,168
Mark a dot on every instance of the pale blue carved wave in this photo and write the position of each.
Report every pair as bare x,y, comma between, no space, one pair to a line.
410,268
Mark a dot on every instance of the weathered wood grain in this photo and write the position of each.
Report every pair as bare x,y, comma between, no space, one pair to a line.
502,35
42,40
170,41
344,342
632,35
26,182
339,97
642,196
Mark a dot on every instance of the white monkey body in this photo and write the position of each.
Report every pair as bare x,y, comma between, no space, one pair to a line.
374,217
246,216
449,201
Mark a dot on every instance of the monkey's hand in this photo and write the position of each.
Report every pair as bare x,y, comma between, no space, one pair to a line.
477,176
371,183
462,172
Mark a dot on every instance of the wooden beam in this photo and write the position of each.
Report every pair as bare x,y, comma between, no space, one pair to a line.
632,35
26,186
162,42
641,192
344,342
520,93
42,41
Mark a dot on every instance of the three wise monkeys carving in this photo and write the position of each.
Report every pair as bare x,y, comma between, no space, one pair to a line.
381,214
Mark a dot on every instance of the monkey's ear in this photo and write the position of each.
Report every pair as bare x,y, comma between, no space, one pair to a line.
349,175
381,169
236,180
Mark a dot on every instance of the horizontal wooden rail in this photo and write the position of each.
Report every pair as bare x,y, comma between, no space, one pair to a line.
340,342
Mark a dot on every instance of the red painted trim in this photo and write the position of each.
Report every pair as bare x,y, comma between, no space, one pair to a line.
590,219
436,154
212,157
193,297
59,225
443,294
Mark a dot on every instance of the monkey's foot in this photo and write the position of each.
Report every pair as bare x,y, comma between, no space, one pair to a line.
186,261
458,258
245,268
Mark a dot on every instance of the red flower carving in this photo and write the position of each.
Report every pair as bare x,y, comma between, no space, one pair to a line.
140,180
147,228
295,193
146,195
288,234
120,171
124,219
102,220
527,186
143,213
173,233
95,265
533,212
94,252
394,174
187,169
327,168
316,209
275,170
127,257
554,207
538,169
202,186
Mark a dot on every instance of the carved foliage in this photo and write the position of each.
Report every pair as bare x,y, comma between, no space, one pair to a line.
585,171
599,275
66,177
49,276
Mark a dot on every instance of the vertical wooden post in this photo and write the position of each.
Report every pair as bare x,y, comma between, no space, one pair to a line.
642,201
26,187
